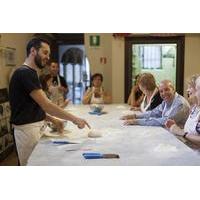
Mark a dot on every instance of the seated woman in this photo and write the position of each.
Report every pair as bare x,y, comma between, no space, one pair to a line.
147,85
136,96
52,91
96,94
191,131
152,98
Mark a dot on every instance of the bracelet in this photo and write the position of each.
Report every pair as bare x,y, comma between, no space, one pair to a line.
184,136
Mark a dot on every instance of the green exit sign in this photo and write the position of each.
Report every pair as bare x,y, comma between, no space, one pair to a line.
94,40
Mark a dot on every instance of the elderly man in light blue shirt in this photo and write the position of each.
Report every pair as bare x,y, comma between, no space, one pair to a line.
174,106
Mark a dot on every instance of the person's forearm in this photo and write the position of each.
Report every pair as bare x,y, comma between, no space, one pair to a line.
143,115
193,138
56,111
50,118
52,109
176,130
87,98
151,122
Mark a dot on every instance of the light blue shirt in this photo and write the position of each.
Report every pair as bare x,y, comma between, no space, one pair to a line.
177,110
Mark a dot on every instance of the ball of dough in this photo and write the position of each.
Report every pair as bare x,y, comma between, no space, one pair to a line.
94,133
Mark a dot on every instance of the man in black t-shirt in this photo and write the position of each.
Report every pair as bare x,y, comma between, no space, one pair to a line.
29,104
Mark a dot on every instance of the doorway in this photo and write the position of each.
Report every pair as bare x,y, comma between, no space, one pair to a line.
74,66
161,56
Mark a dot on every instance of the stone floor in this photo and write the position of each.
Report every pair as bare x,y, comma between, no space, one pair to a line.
11,160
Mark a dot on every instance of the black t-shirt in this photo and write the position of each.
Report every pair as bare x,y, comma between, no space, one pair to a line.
24,109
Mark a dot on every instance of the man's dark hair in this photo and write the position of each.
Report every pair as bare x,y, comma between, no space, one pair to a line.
52,61
36,43
97,75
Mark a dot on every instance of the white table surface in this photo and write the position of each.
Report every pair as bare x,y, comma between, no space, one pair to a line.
136,145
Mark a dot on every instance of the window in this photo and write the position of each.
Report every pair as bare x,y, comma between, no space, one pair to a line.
150,56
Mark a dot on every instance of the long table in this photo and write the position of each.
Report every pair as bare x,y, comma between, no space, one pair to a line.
136,145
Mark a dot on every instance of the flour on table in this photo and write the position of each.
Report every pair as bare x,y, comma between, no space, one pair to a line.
121,107
165,148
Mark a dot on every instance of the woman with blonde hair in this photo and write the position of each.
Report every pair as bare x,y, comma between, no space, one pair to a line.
136,96
147,85
152,99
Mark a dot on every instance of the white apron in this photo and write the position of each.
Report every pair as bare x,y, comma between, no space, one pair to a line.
95,100
26,138
144,107
56,96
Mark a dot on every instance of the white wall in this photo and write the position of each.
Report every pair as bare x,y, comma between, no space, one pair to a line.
95,53
118,69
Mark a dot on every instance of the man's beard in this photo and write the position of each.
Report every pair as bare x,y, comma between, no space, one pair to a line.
38,62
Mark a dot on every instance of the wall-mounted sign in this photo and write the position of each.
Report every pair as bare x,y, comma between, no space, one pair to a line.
94,40
103,60
10,56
